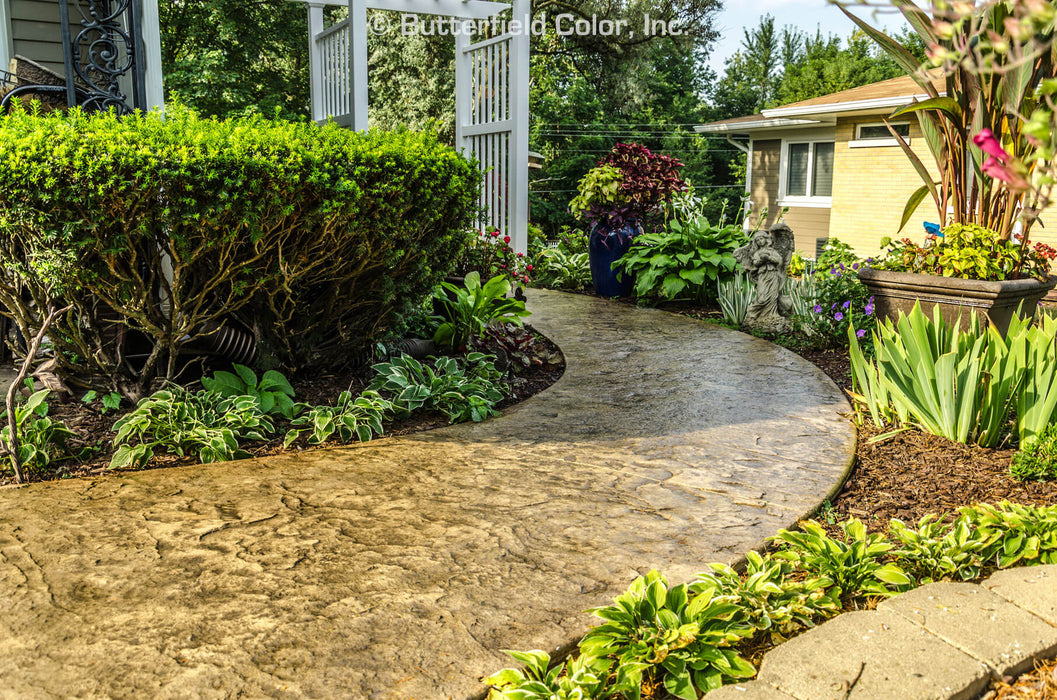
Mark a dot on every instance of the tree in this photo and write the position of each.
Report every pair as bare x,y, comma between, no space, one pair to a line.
232,57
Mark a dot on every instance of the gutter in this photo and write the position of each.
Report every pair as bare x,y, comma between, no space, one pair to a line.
832,107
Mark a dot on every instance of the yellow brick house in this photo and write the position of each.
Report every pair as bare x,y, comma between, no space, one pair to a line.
830,164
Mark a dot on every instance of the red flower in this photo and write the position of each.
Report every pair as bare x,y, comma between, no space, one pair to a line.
986,142
529,268
495,234
506,239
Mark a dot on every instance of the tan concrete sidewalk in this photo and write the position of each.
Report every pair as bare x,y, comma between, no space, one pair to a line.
400,568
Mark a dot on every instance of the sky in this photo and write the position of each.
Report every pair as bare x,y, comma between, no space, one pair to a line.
805,15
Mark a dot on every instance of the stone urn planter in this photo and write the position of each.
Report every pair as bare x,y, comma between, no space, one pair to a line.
957,298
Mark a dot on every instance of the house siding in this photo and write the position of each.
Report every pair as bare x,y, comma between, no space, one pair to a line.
36,32
871,187
808,223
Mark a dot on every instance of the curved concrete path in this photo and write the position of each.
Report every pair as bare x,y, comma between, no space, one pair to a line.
399,568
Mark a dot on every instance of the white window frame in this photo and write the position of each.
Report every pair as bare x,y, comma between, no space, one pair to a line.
860,142
7,50
785,200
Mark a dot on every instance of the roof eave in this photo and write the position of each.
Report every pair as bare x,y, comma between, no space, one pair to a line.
841,107
743,127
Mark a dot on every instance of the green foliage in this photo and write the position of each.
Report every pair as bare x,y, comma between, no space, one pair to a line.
109,402
852,565
489,254
515,347
840,304
965,251
684,261
1019,535
557,269
936,551
468,391
961,385
273,392
691,635
735,296
181,422
468,310
579,679
360,418
1038,460
270,221
659,633
600,187
40,438
769,597
835,254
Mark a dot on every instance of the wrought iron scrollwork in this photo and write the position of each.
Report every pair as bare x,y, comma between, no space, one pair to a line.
102,59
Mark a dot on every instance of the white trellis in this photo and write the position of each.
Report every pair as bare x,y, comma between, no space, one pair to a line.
491,90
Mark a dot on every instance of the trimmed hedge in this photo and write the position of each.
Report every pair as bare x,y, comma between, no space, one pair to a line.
314,237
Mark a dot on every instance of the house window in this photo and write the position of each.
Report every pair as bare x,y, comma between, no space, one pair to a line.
877,134
808,173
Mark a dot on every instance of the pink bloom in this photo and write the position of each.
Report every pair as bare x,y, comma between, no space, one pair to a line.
999,171
987,143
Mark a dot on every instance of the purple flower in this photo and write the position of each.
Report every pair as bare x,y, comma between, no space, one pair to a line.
833,270
855,266
838,316
868,310
818,308
842,267
833,306
845,305
860,333
869,261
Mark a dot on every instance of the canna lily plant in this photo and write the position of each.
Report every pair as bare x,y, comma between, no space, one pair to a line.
988,119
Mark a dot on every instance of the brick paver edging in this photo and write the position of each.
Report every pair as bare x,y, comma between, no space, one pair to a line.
942,641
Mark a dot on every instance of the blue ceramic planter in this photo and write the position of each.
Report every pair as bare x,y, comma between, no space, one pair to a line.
605,246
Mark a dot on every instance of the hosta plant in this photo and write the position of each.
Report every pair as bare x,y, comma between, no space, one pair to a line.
685,261
469,309
467,391
937,551
273,391
350,419
853,565
559,269
1020,535
40,438
769,597
579,679
659,633
181,422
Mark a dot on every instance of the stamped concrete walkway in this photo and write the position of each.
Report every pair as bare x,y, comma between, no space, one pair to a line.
399,568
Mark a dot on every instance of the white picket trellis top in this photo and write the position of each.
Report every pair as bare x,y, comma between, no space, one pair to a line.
465,9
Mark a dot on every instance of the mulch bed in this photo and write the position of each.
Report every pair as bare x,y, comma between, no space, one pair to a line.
94,428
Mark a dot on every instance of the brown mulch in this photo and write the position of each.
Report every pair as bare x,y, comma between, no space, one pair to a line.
93,427
1038,684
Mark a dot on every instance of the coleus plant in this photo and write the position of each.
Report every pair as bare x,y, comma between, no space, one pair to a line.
629,184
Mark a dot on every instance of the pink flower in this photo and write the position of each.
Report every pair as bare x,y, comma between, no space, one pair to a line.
987,143
521,255
1014,180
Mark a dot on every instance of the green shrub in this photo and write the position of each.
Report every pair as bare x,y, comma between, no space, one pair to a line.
273,392
967,251
316,237
839,302
182,422
558,269
1037,461
685,261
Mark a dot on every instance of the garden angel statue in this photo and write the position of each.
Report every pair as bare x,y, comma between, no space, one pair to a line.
765,259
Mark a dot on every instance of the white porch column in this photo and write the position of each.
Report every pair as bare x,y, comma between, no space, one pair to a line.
7,50
315,61
462,93
358,64
151,31
518,77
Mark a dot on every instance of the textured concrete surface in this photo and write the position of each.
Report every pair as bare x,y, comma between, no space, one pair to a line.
1033,588
980,623
939,641
400,568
